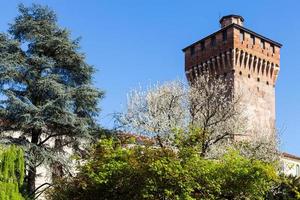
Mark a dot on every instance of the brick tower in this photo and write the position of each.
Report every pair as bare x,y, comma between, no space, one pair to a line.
249,59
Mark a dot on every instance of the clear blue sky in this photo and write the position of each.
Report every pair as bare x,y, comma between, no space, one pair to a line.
134,42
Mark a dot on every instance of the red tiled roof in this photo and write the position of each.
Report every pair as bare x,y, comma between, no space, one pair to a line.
138,138
287,155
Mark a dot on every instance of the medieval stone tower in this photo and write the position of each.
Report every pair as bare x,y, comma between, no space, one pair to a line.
249,59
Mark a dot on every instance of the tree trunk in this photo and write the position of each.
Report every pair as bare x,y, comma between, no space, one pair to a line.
203,144
31,180
32,169
57,168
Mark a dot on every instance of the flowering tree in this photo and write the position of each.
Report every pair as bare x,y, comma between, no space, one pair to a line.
156,111
207,107
214,110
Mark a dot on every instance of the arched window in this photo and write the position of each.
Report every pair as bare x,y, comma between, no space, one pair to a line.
297,170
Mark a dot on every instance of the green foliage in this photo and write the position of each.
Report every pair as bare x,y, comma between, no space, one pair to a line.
121,171
11,173
288,188
45,78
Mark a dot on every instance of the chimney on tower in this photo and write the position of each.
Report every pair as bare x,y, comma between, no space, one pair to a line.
231,19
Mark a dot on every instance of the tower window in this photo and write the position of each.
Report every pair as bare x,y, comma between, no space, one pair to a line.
202,45
213,41
224,33
192,50
272,48
242,36
252,39
262,44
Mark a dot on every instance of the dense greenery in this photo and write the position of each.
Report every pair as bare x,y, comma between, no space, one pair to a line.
11,173
47,88
287,189
116,170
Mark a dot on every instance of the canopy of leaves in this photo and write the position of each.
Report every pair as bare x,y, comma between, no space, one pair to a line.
11,173
116,170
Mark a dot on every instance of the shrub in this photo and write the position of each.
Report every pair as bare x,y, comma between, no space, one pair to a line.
114,171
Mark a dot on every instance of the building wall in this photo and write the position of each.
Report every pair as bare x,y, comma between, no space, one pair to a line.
290,165
256,70
258,104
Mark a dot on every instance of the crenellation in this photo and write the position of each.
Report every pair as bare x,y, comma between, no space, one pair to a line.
215,69
271,71
268,70
242,59
223,62
255,64
228,57
251,62
247,62
219,63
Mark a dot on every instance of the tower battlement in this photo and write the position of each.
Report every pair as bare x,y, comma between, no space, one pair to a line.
250,59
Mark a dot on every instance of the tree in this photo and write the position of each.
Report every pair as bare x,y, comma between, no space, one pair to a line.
206,107
214,111
135,170
47,88
12,172
156,111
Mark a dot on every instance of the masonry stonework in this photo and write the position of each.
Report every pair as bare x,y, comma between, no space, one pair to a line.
251,60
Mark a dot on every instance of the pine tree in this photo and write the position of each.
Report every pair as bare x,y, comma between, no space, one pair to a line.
11,173
46,86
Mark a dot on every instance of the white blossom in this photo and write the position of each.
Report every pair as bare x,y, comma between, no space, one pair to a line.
208,104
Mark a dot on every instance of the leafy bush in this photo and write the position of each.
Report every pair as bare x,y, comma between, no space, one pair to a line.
132,171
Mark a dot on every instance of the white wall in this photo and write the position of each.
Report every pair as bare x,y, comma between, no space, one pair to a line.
290,165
